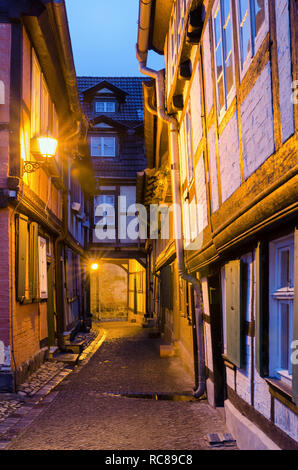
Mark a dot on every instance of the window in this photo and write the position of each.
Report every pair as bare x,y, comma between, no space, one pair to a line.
103,146
224,62
105,107
281,285
107,202
251,18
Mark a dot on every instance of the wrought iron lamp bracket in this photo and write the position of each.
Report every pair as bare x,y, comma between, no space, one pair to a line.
30,167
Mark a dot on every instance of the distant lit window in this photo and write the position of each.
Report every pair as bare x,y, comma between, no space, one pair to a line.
105,107
251,18
108,203
222,22
103,146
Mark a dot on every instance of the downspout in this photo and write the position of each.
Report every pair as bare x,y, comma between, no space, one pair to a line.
172,123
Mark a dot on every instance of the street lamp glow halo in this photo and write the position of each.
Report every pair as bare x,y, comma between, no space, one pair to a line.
94,266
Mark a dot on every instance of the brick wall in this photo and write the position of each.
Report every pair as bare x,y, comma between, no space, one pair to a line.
26,321
4,291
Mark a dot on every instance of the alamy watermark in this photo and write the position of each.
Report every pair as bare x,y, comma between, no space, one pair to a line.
136,222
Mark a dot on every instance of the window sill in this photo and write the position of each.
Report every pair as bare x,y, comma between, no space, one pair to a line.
228,363
283,393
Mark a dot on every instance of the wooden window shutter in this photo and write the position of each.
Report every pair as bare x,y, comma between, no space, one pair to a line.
21,245
233,312
33,260
295,329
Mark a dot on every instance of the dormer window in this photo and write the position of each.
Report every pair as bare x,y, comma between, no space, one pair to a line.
105,106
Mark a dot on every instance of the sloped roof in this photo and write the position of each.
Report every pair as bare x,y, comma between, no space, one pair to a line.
131,112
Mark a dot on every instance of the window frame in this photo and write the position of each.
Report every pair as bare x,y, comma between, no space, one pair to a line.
256,41
105,102
104,136
278,296
228,96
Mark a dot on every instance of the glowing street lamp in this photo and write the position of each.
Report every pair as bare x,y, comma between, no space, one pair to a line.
94,266
47,149
47,146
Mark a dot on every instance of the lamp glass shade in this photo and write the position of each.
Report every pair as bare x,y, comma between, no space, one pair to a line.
47,146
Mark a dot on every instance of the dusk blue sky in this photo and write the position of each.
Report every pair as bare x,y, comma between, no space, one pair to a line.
104,34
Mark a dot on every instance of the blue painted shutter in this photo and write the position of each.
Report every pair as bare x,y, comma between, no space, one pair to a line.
233,312
295,330
21,261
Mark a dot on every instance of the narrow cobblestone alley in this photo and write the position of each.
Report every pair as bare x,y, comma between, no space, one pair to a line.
88,411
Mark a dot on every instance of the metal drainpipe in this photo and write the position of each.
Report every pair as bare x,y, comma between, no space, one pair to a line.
175,178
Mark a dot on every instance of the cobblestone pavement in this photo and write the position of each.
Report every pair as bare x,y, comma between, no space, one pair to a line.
87,411
17,409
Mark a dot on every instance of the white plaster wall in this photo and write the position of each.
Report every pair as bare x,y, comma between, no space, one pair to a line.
213,169
286,420
284,67
257,123
262,397
201,194
196,109
229,158
230,374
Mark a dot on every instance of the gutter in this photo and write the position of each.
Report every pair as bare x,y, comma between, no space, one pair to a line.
158,76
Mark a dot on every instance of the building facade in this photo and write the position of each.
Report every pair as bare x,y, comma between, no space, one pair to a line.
229,95
114,109
44,202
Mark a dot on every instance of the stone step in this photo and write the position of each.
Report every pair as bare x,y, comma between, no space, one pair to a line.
76,348
67,358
